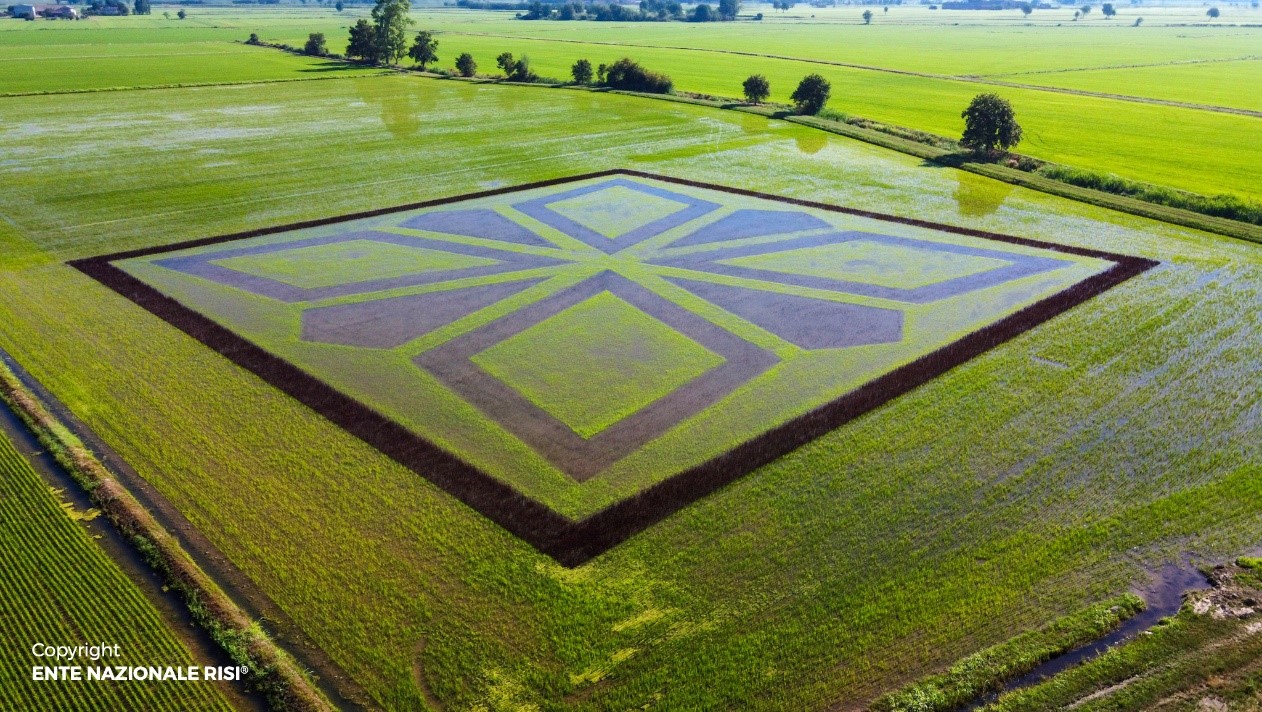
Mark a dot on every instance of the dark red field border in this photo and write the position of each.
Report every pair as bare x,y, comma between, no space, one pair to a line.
569,542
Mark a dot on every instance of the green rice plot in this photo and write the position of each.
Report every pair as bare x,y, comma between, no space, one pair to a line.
615,211
588,384
1214,83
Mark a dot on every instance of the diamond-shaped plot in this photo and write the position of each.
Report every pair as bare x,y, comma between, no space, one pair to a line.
615,211
348,262
622,331
483,223
351,263
743,224
882,266
616,214
597,362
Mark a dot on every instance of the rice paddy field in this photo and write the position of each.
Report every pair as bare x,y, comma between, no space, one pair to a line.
1052,472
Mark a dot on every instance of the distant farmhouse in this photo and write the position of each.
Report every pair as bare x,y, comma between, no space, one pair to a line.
52,12
60,12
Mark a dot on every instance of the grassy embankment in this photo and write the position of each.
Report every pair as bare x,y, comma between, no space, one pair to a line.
988,669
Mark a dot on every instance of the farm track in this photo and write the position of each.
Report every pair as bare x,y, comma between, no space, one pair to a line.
1174,63
909,73
339,687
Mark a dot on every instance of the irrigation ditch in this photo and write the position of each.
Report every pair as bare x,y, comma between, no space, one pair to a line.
1164,594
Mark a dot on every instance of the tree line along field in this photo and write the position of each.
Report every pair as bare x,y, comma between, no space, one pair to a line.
1045,475
58,587
923,89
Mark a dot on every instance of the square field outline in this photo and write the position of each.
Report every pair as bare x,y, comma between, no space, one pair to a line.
570,542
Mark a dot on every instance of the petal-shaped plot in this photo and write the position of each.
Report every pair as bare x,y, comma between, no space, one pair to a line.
483,223
386,323
808,323
752,223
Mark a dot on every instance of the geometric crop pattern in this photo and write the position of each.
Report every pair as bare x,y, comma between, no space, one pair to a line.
627,329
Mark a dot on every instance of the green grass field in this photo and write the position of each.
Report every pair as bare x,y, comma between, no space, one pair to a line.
58,587
1030,482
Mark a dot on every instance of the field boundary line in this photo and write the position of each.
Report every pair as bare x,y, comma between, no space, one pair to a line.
573,543
228,606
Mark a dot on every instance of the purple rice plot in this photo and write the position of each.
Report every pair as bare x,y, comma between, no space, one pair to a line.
482,223
1017,267
802,321
387,323
202,265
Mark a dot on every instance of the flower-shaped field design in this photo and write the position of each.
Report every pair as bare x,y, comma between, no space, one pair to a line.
580,358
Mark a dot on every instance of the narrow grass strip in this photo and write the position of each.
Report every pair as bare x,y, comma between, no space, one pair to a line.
987,670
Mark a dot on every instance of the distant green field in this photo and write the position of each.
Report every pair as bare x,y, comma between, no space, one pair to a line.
1036,479
1217,83
62,67
58,587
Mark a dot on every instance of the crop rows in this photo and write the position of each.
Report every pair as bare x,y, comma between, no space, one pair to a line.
57,587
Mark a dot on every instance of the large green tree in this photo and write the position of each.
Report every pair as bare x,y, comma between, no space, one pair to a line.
989,121
391,21
811,94
424,49
756,89
582,72
363,43
465,65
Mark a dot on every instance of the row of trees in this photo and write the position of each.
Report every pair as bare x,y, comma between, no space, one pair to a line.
649,11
